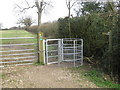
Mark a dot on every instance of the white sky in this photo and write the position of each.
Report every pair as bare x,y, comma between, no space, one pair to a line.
8,16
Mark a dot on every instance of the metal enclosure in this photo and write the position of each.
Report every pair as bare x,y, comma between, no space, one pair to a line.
64,50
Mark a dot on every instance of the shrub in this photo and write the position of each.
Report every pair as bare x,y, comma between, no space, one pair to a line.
49,29
33,29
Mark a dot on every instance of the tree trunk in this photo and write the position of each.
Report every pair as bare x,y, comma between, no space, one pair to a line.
118,39
40,9
69,9
69,20
39,19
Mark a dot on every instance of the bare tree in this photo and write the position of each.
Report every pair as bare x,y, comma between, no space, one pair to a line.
40,5
70,4
27,21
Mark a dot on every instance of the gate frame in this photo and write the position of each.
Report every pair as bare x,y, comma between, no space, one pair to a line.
60,50
46,50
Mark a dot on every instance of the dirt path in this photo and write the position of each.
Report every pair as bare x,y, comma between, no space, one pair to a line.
51,76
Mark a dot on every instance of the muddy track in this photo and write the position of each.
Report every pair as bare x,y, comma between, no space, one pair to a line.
52,76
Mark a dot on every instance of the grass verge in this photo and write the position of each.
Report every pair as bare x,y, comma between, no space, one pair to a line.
3,76
96,77
37,64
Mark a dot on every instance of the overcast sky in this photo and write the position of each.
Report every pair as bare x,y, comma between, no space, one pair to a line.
9,15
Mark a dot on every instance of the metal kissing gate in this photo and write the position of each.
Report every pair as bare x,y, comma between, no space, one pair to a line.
64,50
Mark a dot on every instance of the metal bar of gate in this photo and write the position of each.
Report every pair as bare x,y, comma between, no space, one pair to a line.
71,47
18,54
17,44
81,52
71,39
17,50
18,38
52,39
62,43
59,52
53,56
53,51
74,52
53,45
17,58
17,61
71,53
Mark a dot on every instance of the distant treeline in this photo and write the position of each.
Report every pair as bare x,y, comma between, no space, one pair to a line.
14,28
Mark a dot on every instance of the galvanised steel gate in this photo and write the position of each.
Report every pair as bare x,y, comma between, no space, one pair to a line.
64,50
53,51
18,54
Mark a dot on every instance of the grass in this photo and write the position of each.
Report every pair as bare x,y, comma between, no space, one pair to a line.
96,77
37,64
16,33
3,76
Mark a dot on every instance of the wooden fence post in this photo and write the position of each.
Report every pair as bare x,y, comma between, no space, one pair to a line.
38,49
41,48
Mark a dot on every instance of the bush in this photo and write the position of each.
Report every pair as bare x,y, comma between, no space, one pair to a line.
49,29
89,28
33,29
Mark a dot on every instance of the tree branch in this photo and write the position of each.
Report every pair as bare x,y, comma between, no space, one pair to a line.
18,6
72,5
38,6
23,9
67,4
27,3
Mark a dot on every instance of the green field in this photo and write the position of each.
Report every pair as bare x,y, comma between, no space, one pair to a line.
16,33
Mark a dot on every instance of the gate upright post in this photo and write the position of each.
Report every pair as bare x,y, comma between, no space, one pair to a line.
38,48
81,52
46,51
74,52
41,49
62,56
59,52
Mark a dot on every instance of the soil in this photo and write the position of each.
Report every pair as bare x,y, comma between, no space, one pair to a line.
47,76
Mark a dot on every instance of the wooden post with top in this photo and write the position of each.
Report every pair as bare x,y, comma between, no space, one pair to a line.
41,49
